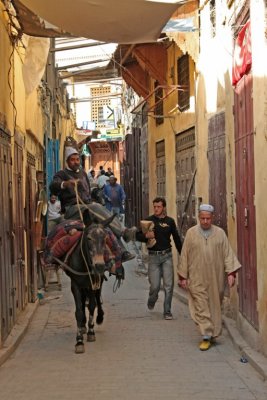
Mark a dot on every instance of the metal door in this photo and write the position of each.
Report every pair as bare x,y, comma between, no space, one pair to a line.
245,191
7,279
185,180
161,168
217,169
52,160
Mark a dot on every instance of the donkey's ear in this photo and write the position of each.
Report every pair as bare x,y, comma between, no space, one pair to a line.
108,221
87,220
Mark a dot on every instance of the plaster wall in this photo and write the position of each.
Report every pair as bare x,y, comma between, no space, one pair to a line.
259,61
214,94
174,123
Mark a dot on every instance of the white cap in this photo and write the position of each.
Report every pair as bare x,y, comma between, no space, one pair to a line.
206,207
69,151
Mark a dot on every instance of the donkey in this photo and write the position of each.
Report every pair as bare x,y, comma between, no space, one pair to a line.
86,271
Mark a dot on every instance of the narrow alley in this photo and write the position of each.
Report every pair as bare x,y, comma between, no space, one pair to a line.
137,354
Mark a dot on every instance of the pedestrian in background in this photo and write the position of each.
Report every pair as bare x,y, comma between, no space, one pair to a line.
92,178
205,260
114,196
101,168
109,172
160,262
54,212
102,179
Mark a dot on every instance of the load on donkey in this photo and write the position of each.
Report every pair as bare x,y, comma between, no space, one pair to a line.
87,238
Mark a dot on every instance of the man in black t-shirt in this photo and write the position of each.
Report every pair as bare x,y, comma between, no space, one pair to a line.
160,262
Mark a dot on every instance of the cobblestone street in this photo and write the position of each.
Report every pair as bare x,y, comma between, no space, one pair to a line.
137,354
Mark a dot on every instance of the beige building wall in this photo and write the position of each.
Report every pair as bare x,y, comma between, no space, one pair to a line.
259,62
214,94
24,116
174,123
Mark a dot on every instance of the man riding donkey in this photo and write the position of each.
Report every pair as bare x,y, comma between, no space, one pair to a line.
72,187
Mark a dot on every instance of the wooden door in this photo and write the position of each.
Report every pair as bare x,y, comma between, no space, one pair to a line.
245,191
19,228
7,279
185,180
217,169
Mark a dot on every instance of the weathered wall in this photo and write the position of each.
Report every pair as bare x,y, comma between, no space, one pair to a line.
215,94
259,52
27,118
174,123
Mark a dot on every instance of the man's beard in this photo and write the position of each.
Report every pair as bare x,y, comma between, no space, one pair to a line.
75,168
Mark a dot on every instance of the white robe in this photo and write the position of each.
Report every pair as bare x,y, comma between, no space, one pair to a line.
204,262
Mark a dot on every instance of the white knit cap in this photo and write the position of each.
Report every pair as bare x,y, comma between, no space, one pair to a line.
69,151
206,207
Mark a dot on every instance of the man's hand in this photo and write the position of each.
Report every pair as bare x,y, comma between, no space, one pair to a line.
150,235
182,283
231,280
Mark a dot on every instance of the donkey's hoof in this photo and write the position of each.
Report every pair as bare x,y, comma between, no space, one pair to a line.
100,317
79,348
90,337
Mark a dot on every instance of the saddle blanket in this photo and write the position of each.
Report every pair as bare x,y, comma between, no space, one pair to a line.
61,239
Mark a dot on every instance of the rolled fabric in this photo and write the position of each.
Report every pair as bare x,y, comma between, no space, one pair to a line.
148,226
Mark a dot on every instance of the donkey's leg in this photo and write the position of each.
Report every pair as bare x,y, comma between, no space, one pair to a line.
83,322
80,316
91,308
100,311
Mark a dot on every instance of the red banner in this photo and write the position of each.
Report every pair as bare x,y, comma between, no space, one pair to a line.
242,59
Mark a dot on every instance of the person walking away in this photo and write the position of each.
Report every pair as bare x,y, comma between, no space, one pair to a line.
205,260
101,168
102,179
92,178
114,196
54,212
160,262
109,172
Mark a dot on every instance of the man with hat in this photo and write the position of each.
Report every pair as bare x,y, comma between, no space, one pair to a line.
206,259
72,186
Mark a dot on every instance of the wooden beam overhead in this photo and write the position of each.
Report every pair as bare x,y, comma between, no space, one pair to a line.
152,59
137,78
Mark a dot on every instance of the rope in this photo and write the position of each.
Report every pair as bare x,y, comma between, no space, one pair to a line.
96,285
117,284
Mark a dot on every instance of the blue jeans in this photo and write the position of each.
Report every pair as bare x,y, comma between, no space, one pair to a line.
161,266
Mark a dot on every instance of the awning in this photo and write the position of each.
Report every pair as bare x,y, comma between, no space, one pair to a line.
117,21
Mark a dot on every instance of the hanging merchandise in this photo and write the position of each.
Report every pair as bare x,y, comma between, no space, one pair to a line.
242,58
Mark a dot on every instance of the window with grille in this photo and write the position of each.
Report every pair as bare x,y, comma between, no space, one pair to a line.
183,80
158,104
97,109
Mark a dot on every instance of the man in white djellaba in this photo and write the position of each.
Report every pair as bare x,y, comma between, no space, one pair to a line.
206,259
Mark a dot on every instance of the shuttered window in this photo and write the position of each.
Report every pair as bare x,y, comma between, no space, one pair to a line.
158,104
183,80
